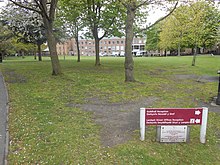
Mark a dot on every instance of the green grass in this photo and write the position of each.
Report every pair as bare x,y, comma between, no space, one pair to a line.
44,130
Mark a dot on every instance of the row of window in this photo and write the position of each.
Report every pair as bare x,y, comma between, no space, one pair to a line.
105,47
139,47
110,42
101,42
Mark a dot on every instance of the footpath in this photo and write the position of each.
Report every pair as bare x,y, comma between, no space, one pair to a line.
3,121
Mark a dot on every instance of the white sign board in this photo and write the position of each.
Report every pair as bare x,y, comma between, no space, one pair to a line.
173,134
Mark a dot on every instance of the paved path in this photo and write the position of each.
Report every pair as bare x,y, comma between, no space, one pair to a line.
3,121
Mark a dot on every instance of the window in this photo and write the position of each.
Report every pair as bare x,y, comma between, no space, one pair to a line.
117,42
122,47
122,42
117,47
136,47
109,42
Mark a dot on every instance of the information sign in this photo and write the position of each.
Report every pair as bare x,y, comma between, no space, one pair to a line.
173,134
173,116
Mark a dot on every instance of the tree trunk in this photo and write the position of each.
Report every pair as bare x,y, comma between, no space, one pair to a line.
194,57
39,52
179,49
56,68
22,54
129,63
77,46
35,55
97,58
1,57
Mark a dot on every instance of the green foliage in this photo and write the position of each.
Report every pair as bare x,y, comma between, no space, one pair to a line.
26,25
105,16
152,42
70,16
44,129
5,39
9,44
191,25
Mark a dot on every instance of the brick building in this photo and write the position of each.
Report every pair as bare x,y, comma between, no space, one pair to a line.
107,46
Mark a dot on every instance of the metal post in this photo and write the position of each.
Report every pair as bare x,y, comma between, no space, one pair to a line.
218,96
142,123
204,125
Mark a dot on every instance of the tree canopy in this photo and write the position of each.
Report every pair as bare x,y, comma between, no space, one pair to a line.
192,25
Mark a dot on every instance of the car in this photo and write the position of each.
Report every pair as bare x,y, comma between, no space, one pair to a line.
115,54
122,54
139,54
102,54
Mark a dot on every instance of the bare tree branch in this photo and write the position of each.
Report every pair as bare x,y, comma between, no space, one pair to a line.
148,2
26,7
161,19
43,9
53,5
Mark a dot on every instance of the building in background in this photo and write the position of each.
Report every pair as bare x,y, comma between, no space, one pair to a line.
107,47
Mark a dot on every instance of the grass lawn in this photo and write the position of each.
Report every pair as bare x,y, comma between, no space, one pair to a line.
44,130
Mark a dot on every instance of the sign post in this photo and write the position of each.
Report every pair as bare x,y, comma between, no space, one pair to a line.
142,123
204,125
174,116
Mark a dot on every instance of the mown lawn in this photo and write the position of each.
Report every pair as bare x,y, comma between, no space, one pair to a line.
44,130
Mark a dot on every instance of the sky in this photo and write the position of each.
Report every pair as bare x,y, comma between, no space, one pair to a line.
153,15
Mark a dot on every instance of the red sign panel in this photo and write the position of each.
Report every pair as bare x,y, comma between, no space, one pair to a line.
173,116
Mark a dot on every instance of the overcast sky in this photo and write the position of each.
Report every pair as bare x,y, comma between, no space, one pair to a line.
153,15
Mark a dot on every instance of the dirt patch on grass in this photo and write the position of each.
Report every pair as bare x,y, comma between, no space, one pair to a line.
202,79
11,76
118,120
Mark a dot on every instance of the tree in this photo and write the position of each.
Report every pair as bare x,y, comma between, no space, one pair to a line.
103,18
26,25
152,42
5,40
193,25
204,27
174,29
47,9
131,9
73,22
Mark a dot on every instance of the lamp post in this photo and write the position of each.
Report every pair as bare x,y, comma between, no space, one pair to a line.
218,97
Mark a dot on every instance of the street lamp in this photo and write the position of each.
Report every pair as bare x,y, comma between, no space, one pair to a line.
218,97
